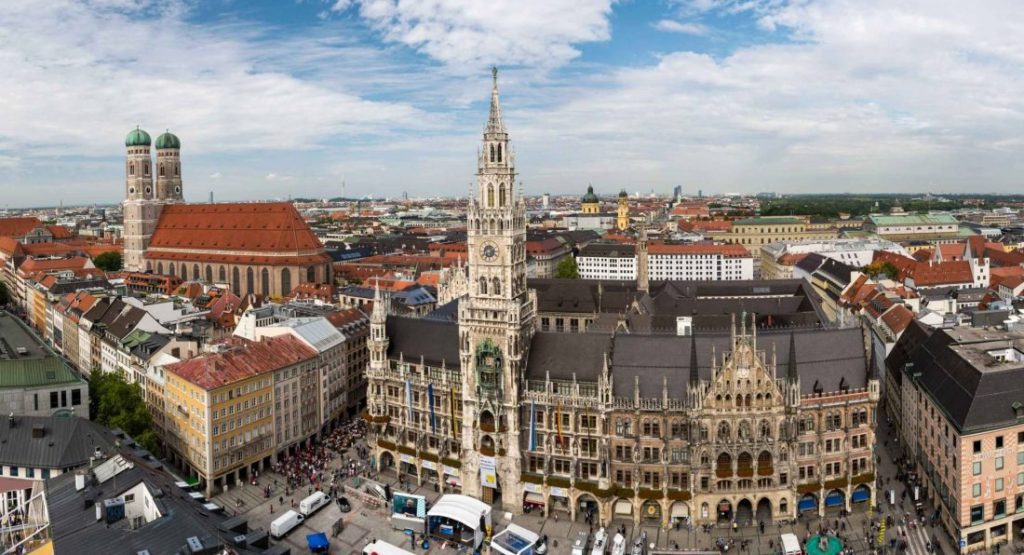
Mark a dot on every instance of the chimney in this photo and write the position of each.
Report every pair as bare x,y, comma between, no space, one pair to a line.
79,481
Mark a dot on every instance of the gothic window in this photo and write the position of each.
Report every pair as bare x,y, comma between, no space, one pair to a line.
195,272
145,169
766,429
744,430
265,282
499,152
286,281
483,286
162,174
739,400
160,267
311,274
501,195
745,464
184,271
490,196
250,281
170,270
496,287
209,273
723,466
492,153
131,169
177,170
723,431
222,274
764,461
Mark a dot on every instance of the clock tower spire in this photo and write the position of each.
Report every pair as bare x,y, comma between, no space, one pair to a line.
496,321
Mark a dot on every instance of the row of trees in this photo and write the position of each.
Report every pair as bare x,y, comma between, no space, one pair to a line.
115,403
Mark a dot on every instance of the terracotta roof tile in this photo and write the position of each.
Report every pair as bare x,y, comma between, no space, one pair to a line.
243,359
898,318
17,227
272,227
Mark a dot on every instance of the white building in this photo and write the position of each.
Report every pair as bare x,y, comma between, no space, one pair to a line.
667,262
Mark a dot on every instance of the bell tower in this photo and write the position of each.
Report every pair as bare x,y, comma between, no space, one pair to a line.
495,321
140,210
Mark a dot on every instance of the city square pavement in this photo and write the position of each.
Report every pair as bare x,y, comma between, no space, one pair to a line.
365,523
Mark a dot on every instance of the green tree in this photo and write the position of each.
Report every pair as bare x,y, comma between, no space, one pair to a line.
116,403
108,261
884,268
567,268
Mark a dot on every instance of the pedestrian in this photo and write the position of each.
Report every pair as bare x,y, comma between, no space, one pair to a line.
271,508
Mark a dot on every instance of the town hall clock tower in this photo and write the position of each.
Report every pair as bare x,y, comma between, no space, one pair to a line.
496,322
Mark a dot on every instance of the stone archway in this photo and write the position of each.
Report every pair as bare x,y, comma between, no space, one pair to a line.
808,503
723,511
764,511
860,496
587,504
679,512
387,460
835,500
623,508
744,512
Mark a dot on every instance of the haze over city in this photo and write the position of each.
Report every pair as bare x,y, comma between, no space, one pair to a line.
272,99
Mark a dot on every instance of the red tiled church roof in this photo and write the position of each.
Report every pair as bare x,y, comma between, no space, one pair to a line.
272,227
17,227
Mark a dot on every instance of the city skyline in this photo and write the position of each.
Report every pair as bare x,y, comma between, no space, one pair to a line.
273,100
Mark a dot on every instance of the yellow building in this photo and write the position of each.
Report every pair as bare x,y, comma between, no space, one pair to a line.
219,422
622,219
590,203
753,233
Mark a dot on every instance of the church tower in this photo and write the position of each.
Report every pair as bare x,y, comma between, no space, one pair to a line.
622,217
496,322
168,168
140,211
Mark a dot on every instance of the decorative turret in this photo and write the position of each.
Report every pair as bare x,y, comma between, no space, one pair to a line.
590,204
642,270
622,215
138,166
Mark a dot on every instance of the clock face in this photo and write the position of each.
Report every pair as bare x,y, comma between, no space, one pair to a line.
489,252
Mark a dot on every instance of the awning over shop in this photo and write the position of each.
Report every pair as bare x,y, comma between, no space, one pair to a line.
834,499
680,510
533,499
860,495
807,504
623,507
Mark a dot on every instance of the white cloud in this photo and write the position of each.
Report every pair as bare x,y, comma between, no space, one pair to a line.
672,26
215,175
468,34
103,67
271,177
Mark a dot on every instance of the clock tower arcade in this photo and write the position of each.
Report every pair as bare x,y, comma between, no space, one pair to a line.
496,322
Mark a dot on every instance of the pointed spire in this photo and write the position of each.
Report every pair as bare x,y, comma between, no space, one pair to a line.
494,123
791,372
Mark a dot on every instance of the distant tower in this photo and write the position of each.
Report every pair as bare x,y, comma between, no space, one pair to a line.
140,211
642,273
622,220
590,203
546,200
168,168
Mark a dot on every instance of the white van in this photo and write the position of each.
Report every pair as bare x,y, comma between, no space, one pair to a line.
285,523
791,545
379,547
313,503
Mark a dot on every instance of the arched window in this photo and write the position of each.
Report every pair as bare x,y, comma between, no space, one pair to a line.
250,281
131,169
184,271
311,274
162,174
723,431
222,274
739,400
145,169
483,286
160,267
766,429
499,152
501,195
209,273
286,281
236,281
496,287
177,170
490,196
492,153
170,270
265,282
195,271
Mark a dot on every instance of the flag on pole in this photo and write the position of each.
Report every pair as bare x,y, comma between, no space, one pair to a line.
451,408
558,423
430,401
408,397
533,426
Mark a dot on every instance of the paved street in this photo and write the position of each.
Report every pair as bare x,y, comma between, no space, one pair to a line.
365,523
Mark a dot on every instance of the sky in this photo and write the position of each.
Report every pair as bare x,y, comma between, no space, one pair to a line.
279,98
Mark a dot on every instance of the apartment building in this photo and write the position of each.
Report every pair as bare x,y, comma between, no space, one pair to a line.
754,233
689,262
223,407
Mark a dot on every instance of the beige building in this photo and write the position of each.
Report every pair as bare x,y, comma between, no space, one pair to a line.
961,418
753,233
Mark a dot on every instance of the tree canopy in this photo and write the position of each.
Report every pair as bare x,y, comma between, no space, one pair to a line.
567,268
116,403
108,261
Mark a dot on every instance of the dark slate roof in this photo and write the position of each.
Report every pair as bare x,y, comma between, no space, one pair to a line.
435,341
75,528
583,296
445,313
561,355
66,441
825,357
971,387
126,321
608,250
838,271
811,262
982,318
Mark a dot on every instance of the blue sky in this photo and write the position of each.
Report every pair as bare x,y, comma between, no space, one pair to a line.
281,97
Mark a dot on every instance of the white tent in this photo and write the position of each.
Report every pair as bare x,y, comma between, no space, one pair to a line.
514,540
